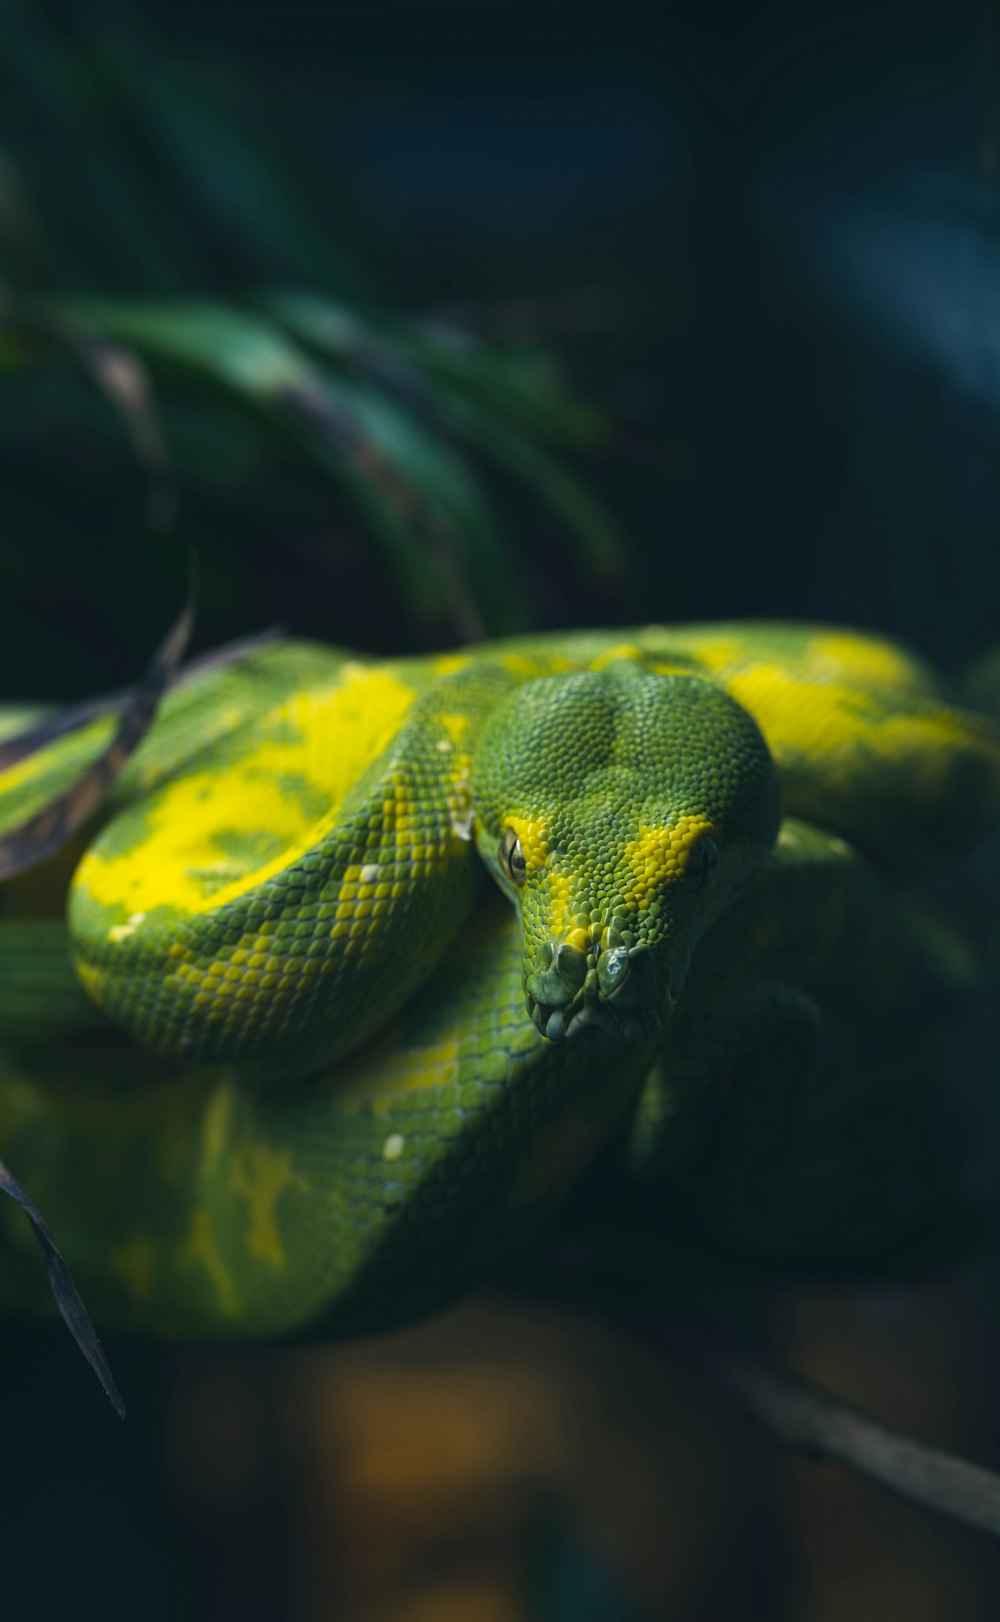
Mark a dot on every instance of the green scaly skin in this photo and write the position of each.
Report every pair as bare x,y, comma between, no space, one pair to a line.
344,1111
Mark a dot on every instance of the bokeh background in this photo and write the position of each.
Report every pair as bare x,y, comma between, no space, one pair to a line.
420,322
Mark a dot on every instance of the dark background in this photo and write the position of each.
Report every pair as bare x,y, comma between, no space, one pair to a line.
765,242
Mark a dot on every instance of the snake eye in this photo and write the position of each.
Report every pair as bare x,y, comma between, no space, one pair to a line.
702,864
512,857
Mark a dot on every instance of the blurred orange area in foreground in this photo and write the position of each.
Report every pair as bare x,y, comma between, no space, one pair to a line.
514,1464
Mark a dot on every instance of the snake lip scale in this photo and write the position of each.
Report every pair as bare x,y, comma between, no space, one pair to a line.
592,1017
614,993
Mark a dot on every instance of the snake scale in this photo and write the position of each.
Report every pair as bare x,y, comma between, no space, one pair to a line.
364,963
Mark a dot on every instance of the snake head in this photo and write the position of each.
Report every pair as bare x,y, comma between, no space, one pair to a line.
619,810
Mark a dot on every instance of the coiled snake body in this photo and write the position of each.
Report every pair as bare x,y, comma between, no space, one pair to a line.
325,1074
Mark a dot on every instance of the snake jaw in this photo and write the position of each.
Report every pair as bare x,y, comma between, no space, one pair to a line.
614,996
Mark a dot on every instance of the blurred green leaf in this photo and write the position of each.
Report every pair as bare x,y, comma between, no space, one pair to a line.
225,143
463,539
145,188
64,143
525,383
476,415
425,503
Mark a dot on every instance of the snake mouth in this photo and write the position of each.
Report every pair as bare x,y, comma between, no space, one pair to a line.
611,996
595,1021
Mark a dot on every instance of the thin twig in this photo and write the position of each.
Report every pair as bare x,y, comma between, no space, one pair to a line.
809,1421
74,716
797,1413
124,380
35,840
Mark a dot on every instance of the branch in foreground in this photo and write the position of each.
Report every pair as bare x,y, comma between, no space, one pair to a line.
50,829
65,1292
810,1421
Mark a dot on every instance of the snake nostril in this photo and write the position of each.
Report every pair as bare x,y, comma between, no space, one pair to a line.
613,970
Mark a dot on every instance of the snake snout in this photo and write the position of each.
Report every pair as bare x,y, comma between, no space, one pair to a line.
614,995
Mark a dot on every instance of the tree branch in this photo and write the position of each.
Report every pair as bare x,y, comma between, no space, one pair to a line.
42,835
809,1421
67,1296
799,1414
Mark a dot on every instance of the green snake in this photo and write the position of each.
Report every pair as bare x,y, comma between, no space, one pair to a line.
364,963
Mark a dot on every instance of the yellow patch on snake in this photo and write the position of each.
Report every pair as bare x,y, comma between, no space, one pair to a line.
23,771
621,651
795,712
675,667
182,863
861,658
827,655
715,652
530,666
817,719
659,855
261,1175
448,664
200,1250
90,979
401,819
534,836
631,653
561,894
216,1124
456,725
97,735
394,1070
